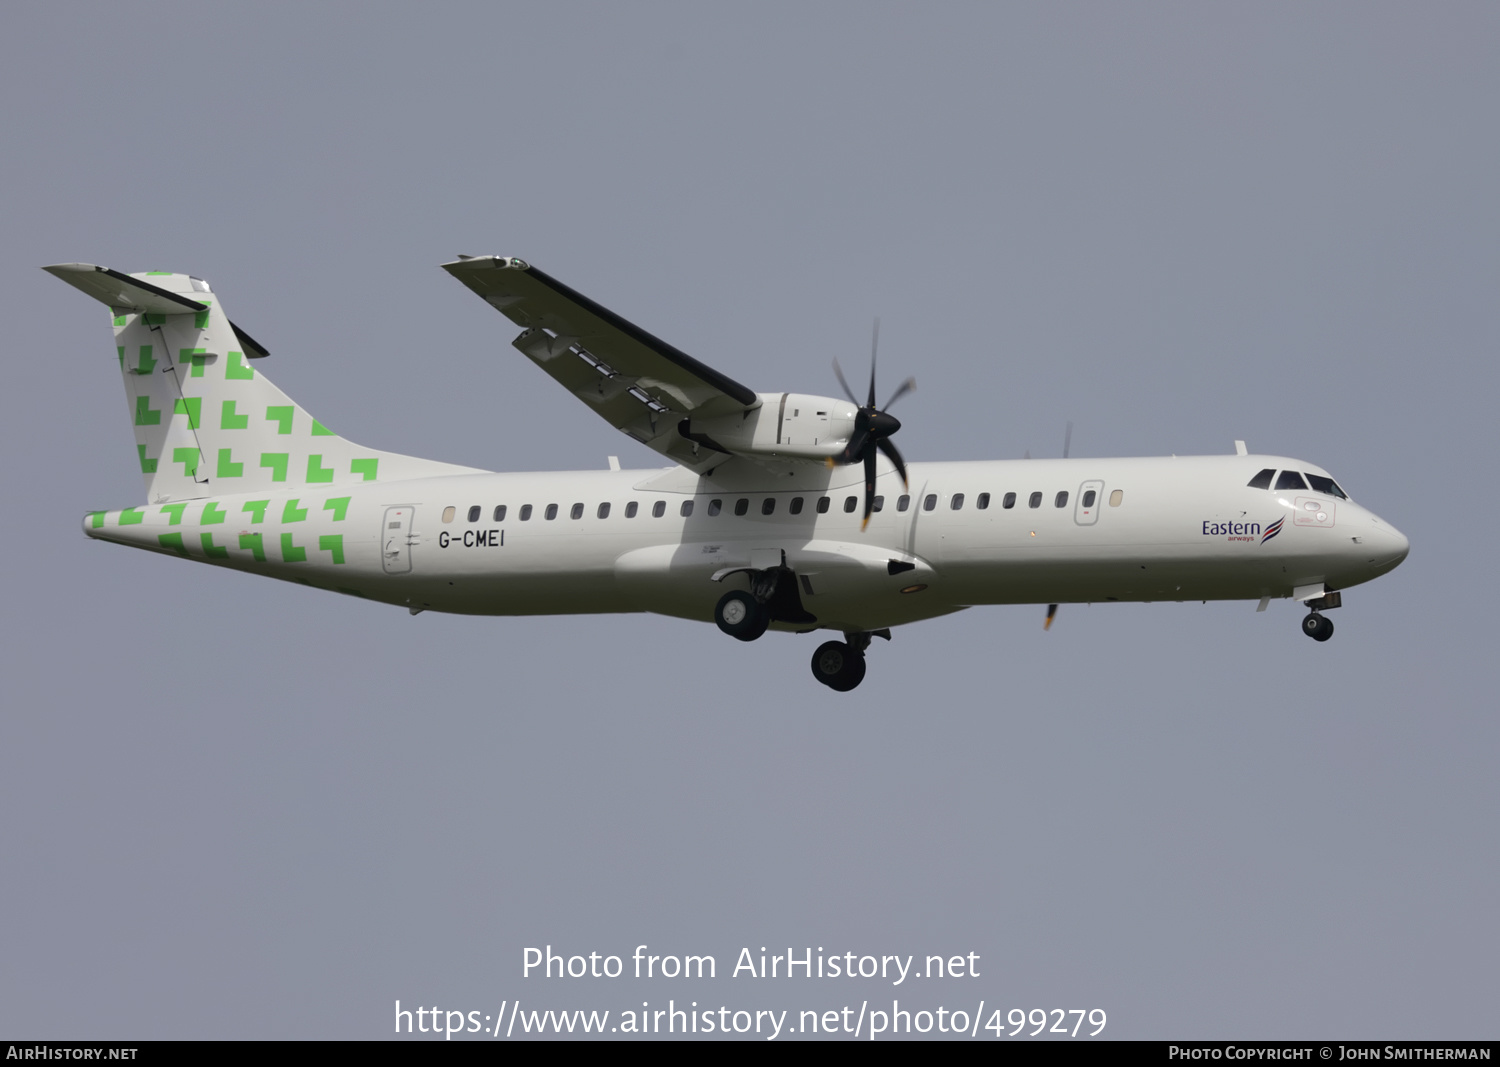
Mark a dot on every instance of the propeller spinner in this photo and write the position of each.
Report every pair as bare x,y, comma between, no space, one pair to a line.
873,429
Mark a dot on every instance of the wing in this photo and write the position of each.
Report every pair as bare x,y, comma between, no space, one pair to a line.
637,382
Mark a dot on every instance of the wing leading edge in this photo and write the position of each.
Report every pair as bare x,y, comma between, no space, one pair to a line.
637,382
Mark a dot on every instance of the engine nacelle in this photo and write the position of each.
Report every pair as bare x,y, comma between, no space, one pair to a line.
784,424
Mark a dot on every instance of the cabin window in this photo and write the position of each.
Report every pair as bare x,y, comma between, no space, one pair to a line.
525,512
822,505
1035,501
686,509
850,503
630,509
742,505
550,513
1321,484
658,509
877,503
929,502
1062,499
768,505
1115,498
603,511
1008,501
903,502
1263,479
795,507
1290,480
715,506
448,513
982,501
474,513
499,512
1089,497
577,512
957,503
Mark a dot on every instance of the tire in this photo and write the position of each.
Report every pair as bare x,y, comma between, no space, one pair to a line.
1318,627
741,616
838,666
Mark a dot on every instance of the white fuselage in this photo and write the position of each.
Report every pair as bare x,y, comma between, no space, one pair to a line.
1179,528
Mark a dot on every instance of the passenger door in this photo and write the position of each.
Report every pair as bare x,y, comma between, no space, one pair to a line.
1090,500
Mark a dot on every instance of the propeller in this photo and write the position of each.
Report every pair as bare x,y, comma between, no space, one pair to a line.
873,429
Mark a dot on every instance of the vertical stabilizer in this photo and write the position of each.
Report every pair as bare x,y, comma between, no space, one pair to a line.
207,422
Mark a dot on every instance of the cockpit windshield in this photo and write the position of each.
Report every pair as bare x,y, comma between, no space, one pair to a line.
1321,484
1291,480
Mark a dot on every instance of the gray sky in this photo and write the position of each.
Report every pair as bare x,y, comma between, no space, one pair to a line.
239,808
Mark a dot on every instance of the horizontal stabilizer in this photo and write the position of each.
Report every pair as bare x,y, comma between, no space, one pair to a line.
122,291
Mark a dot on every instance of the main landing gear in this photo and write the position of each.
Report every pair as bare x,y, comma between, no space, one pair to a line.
746,614
840,665
740,615
772,597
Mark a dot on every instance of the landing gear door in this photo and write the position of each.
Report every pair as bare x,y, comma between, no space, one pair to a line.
395,540
1090,498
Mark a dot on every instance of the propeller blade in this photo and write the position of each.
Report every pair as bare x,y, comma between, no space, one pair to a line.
895,457
859,440
901,390
839,374
874,346
1051,614
869,486
1067,439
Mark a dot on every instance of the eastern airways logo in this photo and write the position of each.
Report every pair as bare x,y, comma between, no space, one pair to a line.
1249,532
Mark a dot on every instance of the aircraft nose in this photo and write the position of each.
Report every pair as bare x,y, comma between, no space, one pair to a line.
1388,546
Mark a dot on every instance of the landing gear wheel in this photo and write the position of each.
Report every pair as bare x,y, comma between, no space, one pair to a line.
740,615
1317,627
838,666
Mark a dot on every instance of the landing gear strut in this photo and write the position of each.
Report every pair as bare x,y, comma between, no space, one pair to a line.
1318,627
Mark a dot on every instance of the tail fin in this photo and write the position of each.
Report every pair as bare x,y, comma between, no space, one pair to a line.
206,422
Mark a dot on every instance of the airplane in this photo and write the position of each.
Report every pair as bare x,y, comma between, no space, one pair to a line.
780,511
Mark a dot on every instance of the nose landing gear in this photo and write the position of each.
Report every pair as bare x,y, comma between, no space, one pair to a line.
1314,625
1318,627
